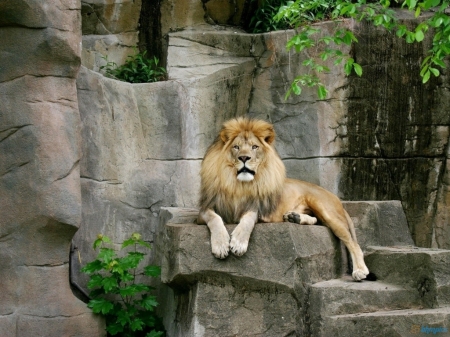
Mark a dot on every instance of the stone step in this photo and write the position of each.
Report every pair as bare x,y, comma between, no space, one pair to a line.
409,322
424,270
344,296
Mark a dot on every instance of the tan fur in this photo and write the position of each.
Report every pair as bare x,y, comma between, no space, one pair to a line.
231,193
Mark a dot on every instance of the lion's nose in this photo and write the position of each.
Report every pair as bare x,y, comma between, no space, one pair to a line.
244,159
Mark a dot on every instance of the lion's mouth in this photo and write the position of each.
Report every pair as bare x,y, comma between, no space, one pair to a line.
246,170
245,174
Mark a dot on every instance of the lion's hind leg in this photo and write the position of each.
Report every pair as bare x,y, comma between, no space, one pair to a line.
341,228
299,218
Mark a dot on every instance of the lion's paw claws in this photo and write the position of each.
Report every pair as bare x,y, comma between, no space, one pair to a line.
359,274
220,245
239,242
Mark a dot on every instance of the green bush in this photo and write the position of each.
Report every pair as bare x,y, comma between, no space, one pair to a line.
263,20
127,305
136,69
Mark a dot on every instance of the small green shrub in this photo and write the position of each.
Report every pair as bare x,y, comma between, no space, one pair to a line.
136,69
127,306
263,20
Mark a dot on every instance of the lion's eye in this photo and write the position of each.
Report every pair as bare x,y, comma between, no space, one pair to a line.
254,147
236,147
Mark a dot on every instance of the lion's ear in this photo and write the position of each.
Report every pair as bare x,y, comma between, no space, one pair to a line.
269,135
224,135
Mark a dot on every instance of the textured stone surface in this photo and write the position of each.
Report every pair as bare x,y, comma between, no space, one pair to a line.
379,223
100,17
116,47
344,296
407,323
143,144
237,311
110,29
40,197
423,269
263,292
289,281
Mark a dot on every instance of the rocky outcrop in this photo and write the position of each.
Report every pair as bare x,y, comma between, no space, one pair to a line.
289,283
143,145
40,197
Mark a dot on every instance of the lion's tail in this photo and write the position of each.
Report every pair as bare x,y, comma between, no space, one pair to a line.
351,226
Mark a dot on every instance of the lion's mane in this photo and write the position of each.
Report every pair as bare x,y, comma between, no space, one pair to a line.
223,192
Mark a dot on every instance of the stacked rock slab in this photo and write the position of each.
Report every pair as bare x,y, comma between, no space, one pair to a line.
290,282
40,199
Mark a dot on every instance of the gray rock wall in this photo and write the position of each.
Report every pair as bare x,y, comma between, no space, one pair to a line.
143,144
379,137
40,196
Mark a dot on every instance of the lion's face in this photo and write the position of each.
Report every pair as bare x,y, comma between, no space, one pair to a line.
242,171
247,153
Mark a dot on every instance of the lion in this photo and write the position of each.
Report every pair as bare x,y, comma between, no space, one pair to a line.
243,181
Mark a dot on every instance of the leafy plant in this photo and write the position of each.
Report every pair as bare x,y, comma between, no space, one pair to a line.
127,305
136,69
263,20
302,13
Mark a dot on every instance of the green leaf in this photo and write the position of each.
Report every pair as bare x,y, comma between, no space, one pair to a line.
322,92
128,242
92,267
123,317
148,302
132,260
154,334
417,12
144,244
419,36
348,66
97,242
426,76
434,71
296,89
153,271
109,283
358,69
136,324
100,306
106,255
133,289
126,277
95,281
114,328
439,63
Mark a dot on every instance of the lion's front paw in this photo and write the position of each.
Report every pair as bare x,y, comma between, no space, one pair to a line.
239,241
220,244
360,274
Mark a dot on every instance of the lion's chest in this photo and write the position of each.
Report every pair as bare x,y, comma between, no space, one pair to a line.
232,209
